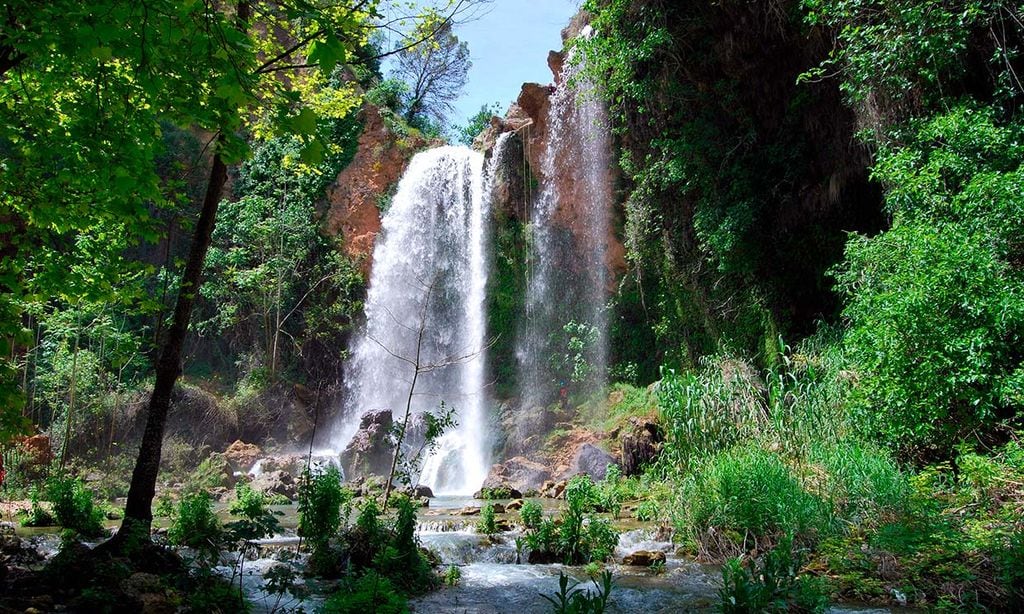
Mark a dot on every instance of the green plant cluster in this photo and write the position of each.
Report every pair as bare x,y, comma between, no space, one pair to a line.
771,583
577,535
72,507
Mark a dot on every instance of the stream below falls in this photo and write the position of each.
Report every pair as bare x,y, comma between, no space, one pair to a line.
492,581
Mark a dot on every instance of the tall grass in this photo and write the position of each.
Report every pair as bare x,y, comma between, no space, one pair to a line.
744,494
758,454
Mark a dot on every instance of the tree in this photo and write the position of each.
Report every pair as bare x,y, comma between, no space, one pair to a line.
435,71
478,123
87,89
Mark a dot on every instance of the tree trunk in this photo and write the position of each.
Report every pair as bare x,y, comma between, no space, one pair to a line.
71,402
138,512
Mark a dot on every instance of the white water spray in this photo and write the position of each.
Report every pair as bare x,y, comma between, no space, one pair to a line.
427,297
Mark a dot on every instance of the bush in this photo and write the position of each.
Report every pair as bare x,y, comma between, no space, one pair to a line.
531,514
195,525
936,304
578,536
750,492
487,525
255,521
369,593
321,498
37,516
73,506
771,584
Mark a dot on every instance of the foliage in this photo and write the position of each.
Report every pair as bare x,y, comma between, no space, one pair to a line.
571,599
749,493
486,525
37,516
772,583
370,592
531,514
321,497
901,56
255,521
800,400
73,506
477,123
452,576
935,305
575,361
497,492
194,525
863,480
577,536
434,67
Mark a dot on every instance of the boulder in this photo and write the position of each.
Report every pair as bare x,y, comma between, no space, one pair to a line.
514,505
552,489
641,445
277,483
242,456
221,470
294,464
592,461
468,511
526,429
644,558
10,543
37,454
518,473
148,591
502,491
370,451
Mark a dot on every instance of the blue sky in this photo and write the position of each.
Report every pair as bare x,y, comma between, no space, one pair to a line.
509,46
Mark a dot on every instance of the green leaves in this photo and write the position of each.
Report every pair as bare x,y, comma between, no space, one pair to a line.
328,53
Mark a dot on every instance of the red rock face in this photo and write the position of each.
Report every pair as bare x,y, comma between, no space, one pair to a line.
379,162
529,118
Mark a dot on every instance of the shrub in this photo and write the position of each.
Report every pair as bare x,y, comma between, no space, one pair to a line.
578,536
600,539
321,498
500,492
452,576
749,491
370,592
73,506
531,514
487,525
935,304
401,560
37,516
195,525
771,584
255,520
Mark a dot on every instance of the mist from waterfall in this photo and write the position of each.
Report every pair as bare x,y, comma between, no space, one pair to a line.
429,279
569,231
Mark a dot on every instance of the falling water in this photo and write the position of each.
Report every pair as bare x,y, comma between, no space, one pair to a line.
428,282
569,229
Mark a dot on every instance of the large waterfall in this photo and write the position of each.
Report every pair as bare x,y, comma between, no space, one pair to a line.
425,306
562,341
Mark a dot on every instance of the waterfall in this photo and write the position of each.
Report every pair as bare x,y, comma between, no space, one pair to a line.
569,228
428,282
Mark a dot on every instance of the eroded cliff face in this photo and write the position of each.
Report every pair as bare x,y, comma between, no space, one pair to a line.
529,119
355,199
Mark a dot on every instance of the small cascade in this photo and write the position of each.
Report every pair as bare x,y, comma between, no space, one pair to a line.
569,228
425,305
